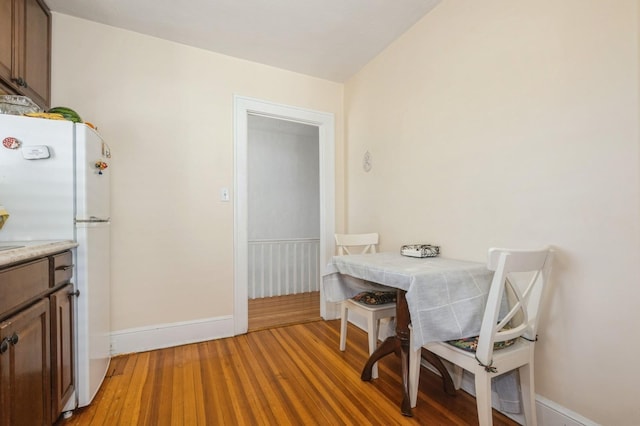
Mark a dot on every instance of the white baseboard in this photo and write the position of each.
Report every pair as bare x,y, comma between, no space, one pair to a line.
551,414
167,335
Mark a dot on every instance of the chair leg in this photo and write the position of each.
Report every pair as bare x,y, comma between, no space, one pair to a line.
415,358
527,387
372,329
344,319
483,398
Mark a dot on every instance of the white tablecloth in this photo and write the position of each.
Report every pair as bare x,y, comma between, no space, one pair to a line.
446,297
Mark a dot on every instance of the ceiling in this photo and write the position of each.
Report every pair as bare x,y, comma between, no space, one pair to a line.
329,39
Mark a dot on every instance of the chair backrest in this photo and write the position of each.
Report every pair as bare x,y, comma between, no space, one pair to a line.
520,277
364,243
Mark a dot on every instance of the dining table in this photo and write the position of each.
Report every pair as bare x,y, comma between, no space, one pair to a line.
441,298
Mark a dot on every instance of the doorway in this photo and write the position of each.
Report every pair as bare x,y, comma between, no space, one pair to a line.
325,124
284,222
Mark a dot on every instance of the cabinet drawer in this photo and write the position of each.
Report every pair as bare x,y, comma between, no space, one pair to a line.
62,268
22,283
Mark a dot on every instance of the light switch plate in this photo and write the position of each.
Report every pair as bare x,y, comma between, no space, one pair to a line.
224,194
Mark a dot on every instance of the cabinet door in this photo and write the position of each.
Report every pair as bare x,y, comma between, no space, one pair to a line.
36,64
7,39
25,386
62,347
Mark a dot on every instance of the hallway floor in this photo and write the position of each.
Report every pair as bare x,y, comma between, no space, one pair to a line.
277,311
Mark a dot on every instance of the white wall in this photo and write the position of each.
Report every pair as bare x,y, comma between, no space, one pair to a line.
166,110
502,123
284,179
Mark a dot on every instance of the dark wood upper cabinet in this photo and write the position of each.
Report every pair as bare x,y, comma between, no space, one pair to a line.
7,33
25,49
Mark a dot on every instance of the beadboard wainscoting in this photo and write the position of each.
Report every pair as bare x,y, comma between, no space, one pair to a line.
284,266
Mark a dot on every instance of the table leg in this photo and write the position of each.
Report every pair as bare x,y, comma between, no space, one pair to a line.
400,345
388,346
447,382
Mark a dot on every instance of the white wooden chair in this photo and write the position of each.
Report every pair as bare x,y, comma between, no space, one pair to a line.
505,343
362,244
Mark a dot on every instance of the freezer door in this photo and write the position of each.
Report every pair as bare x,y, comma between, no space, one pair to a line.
94,308
92,183
37,193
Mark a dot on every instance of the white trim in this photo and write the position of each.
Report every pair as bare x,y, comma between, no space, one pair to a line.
281,240
167,335
553,414
244,106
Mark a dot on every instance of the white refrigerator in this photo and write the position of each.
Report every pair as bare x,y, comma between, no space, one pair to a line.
54,183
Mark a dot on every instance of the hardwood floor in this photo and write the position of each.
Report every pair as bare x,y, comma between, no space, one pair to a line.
293,375
277,311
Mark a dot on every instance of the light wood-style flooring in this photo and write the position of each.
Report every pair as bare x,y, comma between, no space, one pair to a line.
292,375
277,311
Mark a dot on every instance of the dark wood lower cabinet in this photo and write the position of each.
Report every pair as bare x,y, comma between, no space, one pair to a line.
62,347
36,340
25,387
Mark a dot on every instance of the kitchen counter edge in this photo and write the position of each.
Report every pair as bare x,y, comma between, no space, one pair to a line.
33,250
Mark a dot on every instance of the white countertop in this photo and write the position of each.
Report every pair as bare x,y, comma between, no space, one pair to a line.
26,250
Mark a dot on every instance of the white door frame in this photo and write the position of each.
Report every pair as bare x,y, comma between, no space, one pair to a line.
242,107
